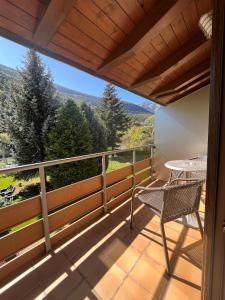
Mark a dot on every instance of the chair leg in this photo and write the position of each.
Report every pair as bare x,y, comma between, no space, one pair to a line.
165,248
131,212
170,178
199,223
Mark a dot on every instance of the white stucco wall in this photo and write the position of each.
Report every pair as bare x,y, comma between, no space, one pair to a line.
181,129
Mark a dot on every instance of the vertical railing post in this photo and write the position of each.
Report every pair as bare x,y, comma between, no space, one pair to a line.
44,208
104,183
133,167
151,157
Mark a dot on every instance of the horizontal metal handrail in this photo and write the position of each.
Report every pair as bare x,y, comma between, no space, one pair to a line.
67,160
108,193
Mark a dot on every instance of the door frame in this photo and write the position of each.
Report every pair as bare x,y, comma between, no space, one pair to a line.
214,237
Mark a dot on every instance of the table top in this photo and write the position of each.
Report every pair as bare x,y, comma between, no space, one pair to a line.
187,165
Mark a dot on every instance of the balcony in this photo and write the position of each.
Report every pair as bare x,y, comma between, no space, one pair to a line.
82,247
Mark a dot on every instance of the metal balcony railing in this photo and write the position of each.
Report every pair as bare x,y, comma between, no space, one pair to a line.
67,210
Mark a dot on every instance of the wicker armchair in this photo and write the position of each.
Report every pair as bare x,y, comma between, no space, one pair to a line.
170,202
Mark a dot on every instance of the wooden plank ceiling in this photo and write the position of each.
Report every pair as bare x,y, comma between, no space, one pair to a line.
153,48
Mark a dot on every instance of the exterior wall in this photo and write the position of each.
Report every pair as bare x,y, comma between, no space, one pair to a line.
181,130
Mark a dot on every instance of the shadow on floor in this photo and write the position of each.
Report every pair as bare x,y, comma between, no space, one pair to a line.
101,262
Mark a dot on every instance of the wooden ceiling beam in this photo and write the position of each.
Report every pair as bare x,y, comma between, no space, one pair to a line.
201,69
176,58
160,15
190,85
55,13
189,91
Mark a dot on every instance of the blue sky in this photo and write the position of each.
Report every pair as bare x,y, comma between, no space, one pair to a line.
11,55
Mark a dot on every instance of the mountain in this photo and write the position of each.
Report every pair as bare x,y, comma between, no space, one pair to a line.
9,74
150,106
93,100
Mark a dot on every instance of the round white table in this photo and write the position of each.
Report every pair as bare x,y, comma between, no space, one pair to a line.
188,166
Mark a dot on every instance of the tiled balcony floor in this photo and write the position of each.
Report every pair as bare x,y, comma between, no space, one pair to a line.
108,261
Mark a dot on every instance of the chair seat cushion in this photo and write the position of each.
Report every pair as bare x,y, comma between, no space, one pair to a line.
153,200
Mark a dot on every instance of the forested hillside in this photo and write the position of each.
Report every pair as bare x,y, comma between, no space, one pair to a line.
140,113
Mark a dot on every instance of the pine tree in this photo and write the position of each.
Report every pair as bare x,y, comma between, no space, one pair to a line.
112,114
98,134
97,129
70,137
30,111
4,89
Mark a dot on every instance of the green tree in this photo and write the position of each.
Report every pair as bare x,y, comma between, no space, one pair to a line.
97,129
4,146
4,87
98,134
30,111
112,113
147,136
132,138
70,137
139,135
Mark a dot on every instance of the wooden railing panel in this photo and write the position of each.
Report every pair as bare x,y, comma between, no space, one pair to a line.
142,175
147,181
117,175
15,266
119,199
19,212
143,164
75,211
119,188
73,191
13,242
76,227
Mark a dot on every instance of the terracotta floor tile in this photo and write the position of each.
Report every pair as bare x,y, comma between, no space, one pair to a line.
52,265
194,233
177,290
173,236
118,252
104,276
23,287
146,220
128,259
188,271
123,230
82,292
174,225
78,247
108,284
59,288
36,294
73,250
136,240
153,224
106,254
189,240
148,274
93,268
130,290
155,251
